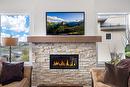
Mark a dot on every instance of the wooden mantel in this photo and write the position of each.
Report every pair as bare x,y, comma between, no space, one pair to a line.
66,39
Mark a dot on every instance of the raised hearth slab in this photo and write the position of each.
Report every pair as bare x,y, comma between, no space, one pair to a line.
59,85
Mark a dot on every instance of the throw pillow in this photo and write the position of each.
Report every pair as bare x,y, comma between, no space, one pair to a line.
125,63
122,76
1,60
116,75
11,72
109,76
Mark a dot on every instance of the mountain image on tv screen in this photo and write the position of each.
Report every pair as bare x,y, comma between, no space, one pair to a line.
65,23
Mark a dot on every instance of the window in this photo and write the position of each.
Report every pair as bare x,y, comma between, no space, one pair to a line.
112,27
15,26
112,22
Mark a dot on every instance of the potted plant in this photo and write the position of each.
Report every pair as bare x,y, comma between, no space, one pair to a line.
115,56
127,44
127,51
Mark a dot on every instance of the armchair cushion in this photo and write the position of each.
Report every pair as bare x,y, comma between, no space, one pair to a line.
11,72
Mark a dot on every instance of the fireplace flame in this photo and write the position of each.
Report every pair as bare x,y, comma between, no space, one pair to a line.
64,63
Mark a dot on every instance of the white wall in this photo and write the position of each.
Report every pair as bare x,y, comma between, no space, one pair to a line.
112,5
37,9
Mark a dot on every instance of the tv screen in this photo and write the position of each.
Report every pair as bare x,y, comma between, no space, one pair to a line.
65,23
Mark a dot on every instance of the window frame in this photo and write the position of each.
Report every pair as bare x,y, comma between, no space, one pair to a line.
30,45
126,14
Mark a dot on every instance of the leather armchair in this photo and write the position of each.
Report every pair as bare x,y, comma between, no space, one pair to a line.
97,75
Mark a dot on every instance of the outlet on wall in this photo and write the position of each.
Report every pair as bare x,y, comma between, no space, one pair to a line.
108,36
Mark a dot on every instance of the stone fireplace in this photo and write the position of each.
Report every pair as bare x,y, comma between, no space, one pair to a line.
42,74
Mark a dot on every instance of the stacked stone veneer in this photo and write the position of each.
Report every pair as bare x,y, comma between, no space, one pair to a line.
42,74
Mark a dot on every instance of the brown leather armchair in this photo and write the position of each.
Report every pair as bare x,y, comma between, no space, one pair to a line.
98,77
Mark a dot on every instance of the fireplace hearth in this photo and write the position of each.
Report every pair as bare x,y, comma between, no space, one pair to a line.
64,61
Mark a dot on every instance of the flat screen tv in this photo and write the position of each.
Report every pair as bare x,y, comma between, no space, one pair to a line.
65,23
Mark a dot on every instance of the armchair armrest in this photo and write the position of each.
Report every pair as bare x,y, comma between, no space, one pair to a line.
28,73
97,75
101,84
24,83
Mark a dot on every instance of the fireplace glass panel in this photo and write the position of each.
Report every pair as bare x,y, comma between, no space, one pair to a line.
63,61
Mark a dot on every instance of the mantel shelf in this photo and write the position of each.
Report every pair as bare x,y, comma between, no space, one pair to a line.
66,39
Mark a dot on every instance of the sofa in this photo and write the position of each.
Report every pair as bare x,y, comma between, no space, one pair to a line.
25,82
97,75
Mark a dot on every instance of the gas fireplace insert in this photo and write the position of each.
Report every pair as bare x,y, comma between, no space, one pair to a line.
64,61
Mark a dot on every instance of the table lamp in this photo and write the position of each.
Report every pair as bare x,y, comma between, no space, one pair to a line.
9,41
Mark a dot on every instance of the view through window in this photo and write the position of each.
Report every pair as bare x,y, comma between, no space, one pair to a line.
113,28
15,26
